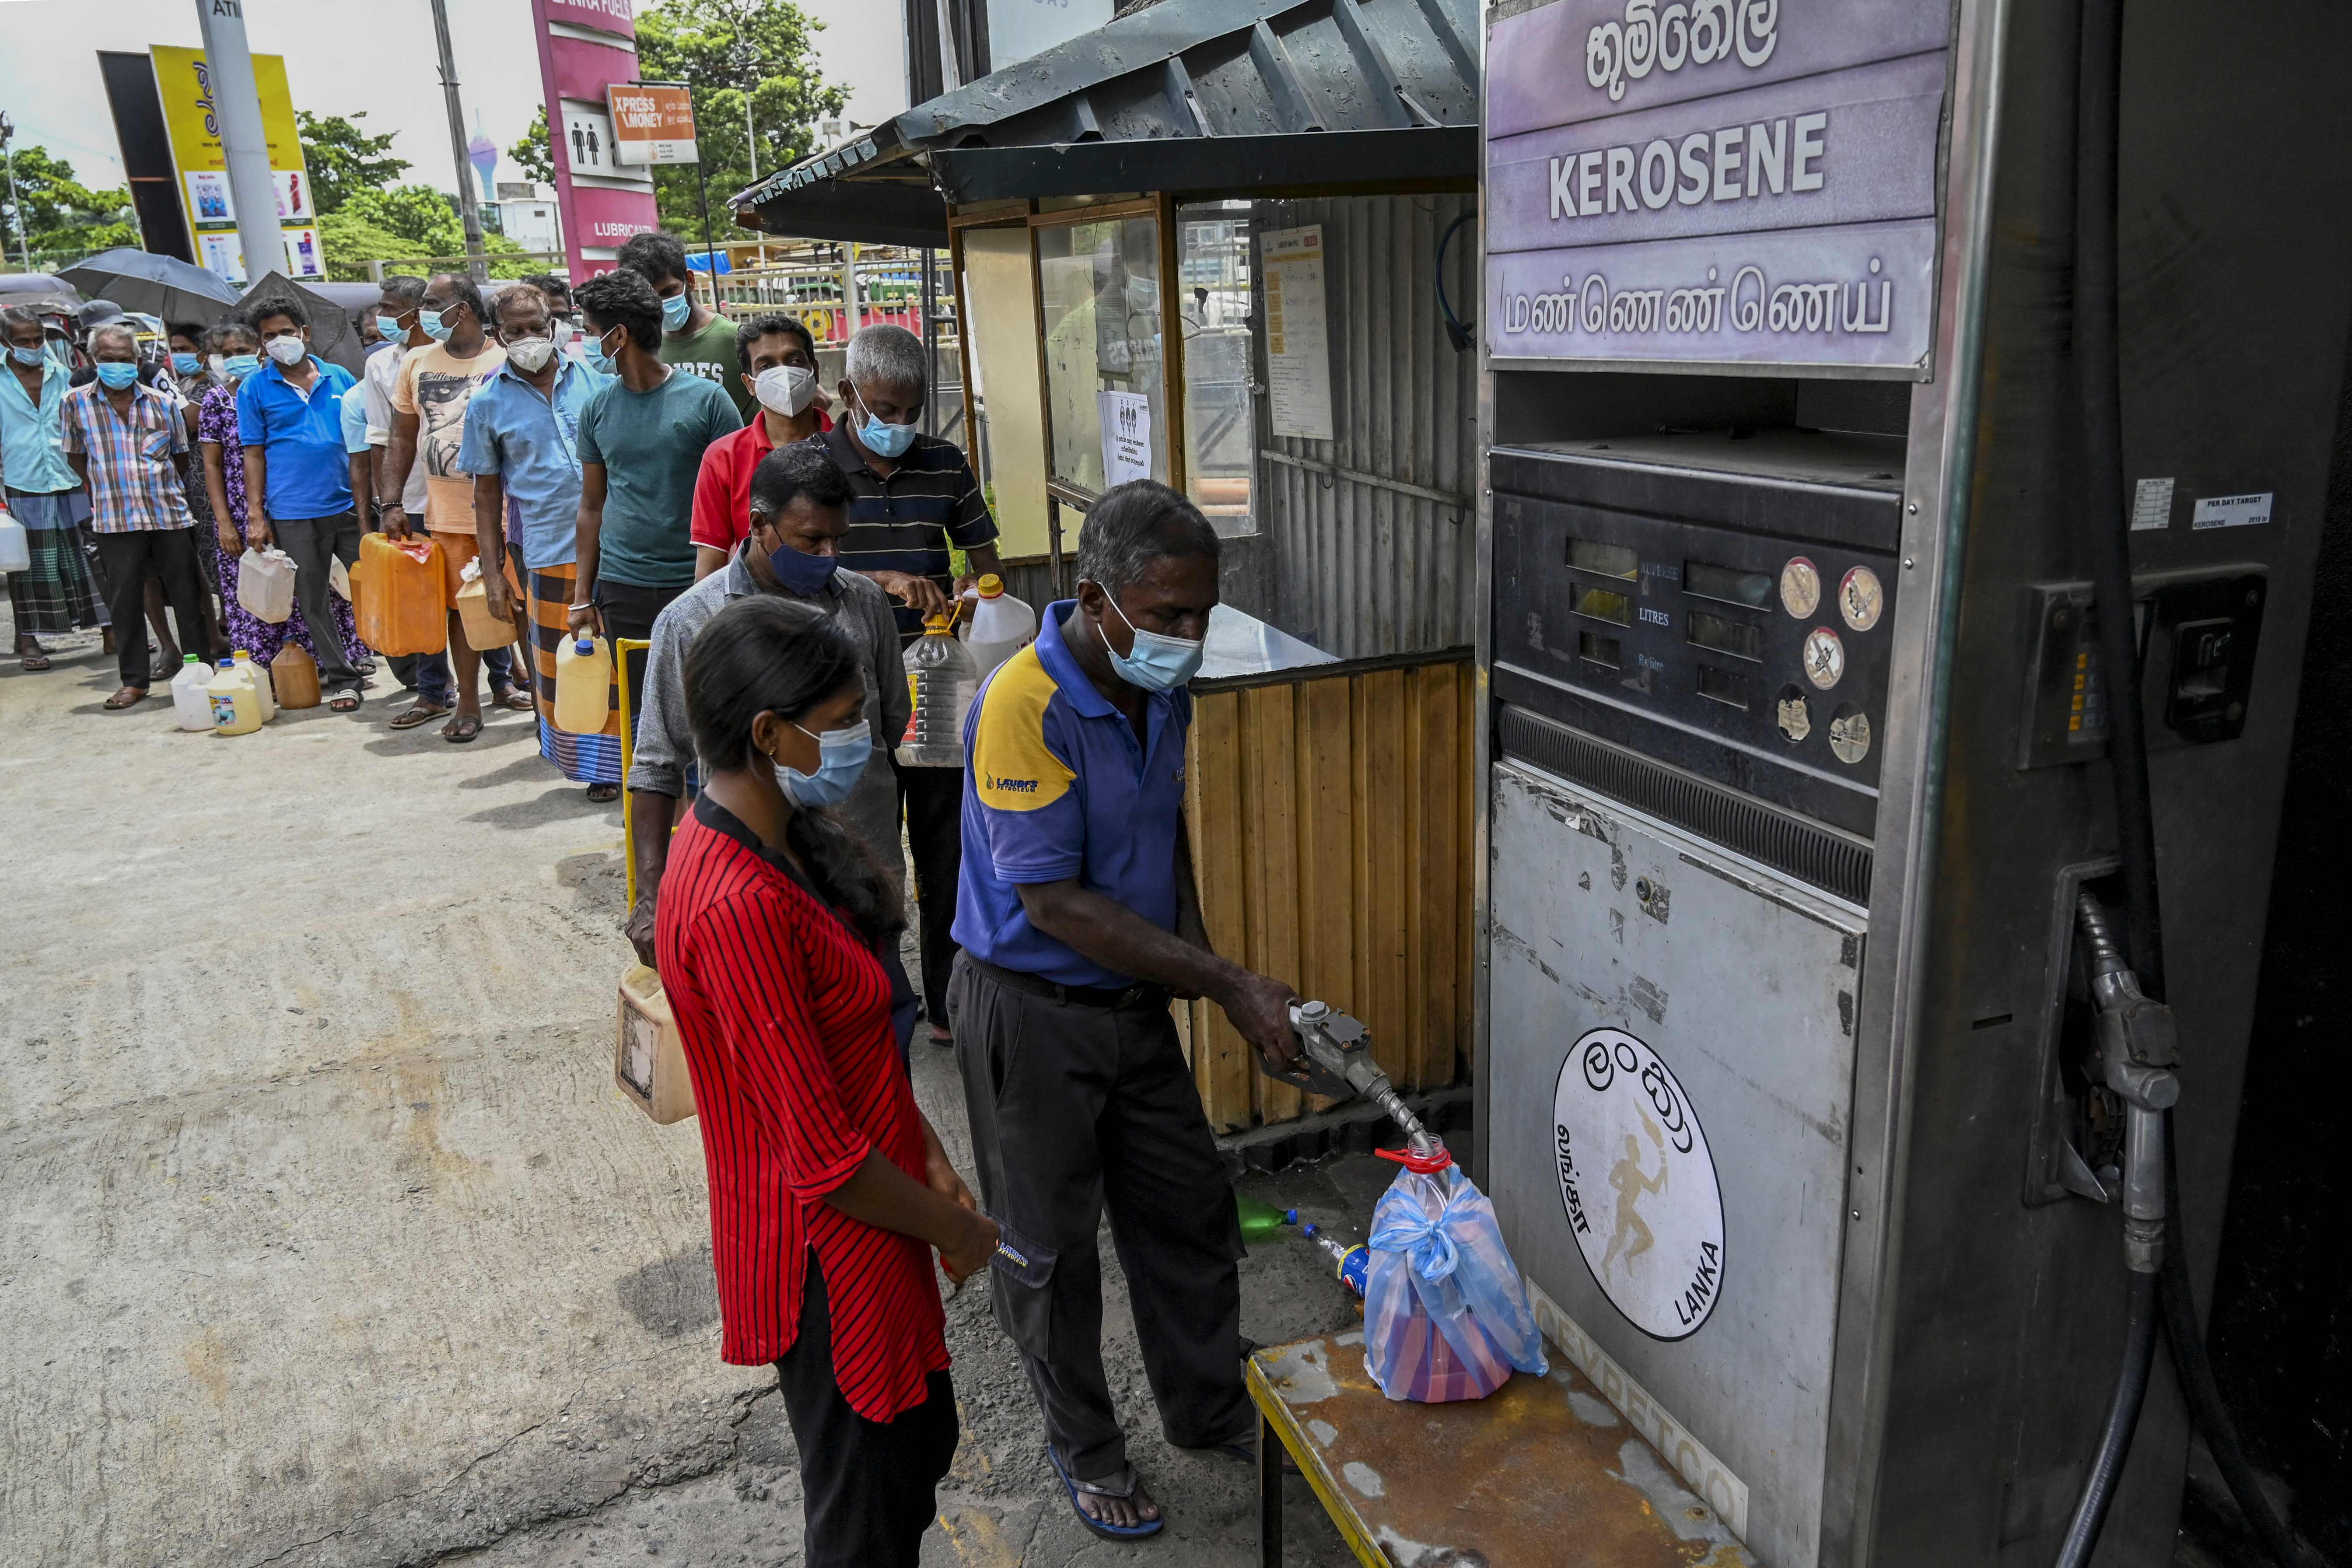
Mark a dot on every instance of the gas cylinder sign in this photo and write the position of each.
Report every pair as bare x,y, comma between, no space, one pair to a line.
1734,181
1638,1183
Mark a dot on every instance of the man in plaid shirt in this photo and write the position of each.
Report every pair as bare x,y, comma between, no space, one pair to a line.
130,447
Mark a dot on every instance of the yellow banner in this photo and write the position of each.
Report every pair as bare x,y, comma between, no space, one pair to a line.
183,83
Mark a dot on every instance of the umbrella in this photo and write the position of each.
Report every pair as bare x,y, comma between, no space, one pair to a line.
159,285
334,337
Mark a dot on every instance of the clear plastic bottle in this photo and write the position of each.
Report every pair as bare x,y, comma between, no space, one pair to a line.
1002,625
941,681
1348,1262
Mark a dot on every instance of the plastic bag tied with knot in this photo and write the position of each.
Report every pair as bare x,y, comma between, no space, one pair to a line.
1445,1313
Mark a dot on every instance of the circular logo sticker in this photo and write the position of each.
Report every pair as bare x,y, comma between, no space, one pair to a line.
1638,1183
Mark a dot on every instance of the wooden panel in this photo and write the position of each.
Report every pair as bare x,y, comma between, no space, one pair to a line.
1332,830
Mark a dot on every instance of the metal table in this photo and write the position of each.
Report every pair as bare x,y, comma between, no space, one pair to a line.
1543,1472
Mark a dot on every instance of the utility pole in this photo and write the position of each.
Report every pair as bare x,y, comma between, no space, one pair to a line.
16,201
470,206
252,188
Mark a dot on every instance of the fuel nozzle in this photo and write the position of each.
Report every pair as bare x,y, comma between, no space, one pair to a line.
2139,1058
1334,1059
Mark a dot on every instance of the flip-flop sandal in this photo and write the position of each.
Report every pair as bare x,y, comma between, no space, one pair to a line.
423,713
346,700
34,662
462,729
515,698
129,697
363,668
1107,1532
603,793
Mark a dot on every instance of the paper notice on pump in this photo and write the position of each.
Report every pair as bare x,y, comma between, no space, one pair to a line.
1126,418
1298,341
2151,504
2230,511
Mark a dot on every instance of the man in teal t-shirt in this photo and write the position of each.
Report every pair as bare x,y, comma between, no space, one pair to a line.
641,445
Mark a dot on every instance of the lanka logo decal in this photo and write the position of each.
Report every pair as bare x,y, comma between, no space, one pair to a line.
1638,1183
1010,786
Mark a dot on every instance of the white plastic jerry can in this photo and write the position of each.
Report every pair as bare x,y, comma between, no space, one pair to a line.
236,704
191,707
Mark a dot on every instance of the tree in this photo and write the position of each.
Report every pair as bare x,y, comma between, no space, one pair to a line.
404,224
531,152
58,214
721,48
344,160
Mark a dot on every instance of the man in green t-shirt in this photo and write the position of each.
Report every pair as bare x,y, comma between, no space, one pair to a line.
694,337
641,443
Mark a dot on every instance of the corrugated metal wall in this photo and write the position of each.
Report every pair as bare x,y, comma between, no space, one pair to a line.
1360,567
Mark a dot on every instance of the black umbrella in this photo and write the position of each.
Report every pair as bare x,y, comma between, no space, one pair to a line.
333,336
159,285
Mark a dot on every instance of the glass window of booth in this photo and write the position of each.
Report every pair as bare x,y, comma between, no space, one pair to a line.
1100,290
1213,265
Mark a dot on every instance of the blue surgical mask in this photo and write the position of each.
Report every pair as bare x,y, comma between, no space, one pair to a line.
186,364
842,755
799,572
434,328
114,374
28,358
236,367
884,440
598,360
1157,662
390,329
676,311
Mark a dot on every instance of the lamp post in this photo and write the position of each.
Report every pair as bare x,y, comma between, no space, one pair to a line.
16,203
469,207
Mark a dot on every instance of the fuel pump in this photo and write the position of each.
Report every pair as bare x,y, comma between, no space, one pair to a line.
1898,528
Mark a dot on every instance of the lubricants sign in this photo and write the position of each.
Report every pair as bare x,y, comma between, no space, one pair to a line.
1730,181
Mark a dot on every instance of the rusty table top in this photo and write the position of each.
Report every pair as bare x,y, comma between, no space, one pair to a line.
1542,1471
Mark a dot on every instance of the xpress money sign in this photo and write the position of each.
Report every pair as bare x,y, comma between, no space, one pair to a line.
1736,182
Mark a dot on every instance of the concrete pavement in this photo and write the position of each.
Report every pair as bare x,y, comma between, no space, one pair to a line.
329,1239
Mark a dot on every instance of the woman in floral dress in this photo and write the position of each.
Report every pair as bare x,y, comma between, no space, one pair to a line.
223,459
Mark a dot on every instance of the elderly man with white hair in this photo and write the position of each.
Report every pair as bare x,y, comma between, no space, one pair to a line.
912,497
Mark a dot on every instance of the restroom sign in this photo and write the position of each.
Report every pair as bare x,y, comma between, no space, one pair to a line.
1638,1183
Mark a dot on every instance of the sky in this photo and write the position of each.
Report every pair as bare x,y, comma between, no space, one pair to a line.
51,89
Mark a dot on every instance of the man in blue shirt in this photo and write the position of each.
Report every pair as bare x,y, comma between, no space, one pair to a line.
1079,919
521,444
289,418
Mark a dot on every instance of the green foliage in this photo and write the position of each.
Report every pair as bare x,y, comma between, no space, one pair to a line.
531,152
719,47
344,160
55,213
404,224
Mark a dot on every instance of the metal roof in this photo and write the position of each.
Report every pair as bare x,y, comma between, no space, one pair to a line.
1181,95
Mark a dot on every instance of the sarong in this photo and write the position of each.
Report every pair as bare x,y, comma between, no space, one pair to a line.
57,594
584,759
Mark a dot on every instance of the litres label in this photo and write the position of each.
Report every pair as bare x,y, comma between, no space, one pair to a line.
1638,1183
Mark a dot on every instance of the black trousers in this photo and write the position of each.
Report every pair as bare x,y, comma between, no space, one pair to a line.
932,799
316,543
630,612
868,1488
1073,1107
171,554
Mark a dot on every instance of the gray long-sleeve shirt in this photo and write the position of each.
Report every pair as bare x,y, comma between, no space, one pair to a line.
663,742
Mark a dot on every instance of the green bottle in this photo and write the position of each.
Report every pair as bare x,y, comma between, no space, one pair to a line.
1261,1221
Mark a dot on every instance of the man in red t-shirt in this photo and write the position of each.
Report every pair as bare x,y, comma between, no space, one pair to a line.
779,367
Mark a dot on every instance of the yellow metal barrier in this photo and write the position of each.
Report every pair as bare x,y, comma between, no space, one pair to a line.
625,649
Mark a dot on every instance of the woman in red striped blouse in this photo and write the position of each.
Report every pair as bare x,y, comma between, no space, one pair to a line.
828,1188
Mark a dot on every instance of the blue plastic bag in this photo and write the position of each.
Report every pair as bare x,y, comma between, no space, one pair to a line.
1445,1313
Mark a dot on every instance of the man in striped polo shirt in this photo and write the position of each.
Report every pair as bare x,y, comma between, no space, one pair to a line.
912,496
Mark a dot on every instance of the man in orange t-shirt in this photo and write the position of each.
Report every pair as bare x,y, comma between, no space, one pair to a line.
778,360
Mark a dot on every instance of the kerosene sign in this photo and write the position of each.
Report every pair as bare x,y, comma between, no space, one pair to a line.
1743,183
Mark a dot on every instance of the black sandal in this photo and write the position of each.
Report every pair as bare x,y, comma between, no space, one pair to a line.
603,794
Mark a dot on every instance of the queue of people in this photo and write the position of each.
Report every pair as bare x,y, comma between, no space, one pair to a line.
620,461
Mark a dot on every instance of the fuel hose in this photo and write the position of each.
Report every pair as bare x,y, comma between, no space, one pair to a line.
2098,381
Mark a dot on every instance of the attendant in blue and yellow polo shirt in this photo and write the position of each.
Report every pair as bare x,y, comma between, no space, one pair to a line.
1078,921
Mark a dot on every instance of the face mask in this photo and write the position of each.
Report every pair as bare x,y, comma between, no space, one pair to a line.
598,360
114,374
186,364
531,355
786,388
799,572
842,755
885,440
28,358
289,351
236,367
1158,662
675,312
390,329
434,327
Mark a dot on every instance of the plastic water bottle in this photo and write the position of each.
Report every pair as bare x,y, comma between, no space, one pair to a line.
941,681
1349,1263
190,706
1260,1221
1002,625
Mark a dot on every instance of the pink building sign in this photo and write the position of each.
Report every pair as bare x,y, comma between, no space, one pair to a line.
584,45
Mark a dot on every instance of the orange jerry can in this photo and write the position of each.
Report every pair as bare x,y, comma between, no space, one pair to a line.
398,596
